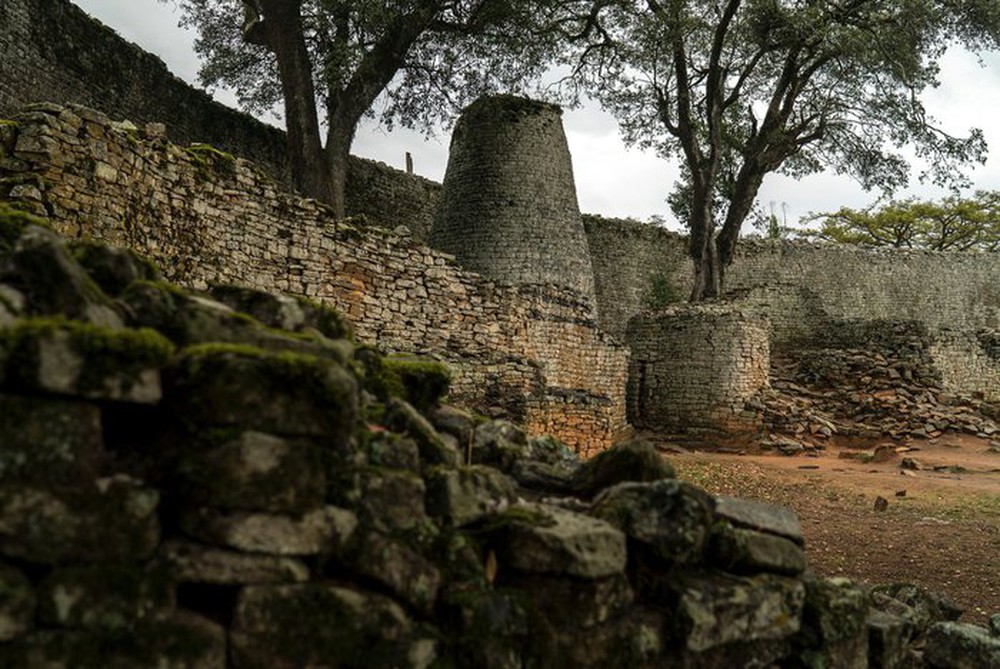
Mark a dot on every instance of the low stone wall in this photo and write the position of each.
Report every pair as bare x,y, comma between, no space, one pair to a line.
969,362
206,217
695,366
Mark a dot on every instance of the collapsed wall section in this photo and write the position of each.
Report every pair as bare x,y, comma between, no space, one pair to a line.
695,366
533,352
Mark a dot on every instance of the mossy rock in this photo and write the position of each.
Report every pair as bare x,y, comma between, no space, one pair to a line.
55,355
293,313
13,221
17,603
421,382
630,461
113,268
107,596
286,394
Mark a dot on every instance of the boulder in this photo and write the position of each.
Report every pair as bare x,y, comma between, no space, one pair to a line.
741,551
292,313
317,532
761,517
107,596
403,418
499,444
388,500
834,633
952,645
189,562
113,269
467,494
637,461
407,574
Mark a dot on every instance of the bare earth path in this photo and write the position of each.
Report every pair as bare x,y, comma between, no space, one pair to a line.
940,530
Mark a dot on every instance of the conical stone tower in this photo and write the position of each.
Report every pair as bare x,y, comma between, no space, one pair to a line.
508,208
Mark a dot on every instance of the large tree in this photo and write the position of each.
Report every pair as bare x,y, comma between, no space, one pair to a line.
742,88
329,62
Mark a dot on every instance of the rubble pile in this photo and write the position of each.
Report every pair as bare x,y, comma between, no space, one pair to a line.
866,383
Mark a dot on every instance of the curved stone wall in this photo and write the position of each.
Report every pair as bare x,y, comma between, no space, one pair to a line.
508,208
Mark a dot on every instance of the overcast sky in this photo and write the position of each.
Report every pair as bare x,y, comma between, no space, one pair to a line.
610,179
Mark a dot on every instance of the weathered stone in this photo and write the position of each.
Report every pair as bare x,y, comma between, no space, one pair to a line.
402,417
109,596
419,381
572,602
636,461
456,422
544,477
545,539
253,471
887,639
49,441
17,603
951,645
551,451
284,394
408,575
113,268
760,516
389,500
672,518
287,627
995,624
742,551
178,640
53,283
70,358
115,521
718,609
499,444
283,311
394,452
916,605
319,531
12,305
490,629
834,633
467,494
195,563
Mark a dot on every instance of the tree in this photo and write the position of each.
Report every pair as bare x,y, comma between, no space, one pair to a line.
330,61
742,88
952,224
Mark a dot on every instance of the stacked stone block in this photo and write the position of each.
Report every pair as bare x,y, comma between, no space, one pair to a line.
695,366
208,218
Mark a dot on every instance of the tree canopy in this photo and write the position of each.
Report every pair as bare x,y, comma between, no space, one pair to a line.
951,224
742,88
332,62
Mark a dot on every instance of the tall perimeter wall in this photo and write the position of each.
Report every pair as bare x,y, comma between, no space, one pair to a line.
208,218
51,51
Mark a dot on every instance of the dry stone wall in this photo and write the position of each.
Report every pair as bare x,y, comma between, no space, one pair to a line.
209,218
51,51
508,207
696,366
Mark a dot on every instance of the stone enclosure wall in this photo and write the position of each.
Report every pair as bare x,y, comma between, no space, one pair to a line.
695,366
51,51
534,352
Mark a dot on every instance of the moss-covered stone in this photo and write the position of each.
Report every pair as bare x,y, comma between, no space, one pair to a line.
499,444
13,222
467,494
113,269
285,627
420,382
834,631
672,520
115,521
284,312
54,355
630,461
407,574
253,471
49,441
109,596
41,267
179,640
190,562
742,551
286,394
401,417
388,500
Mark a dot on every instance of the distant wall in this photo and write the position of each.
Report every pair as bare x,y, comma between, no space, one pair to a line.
694,366
636,266
204,217
52,51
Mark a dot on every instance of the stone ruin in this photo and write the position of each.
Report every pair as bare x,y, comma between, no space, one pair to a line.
229,479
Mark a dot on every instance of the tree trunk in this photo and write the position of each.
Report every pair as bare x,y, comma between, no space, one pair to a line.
703,248
339,137
310,170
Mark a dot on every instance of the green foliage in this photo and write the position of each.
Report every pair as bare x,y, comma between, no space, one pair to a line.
951,224
661,292
210,159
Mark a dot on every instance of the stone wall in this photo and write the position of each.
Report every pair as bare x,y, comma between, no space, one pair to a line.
51,51
696,366
637,266
209,218
508,207
969,362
